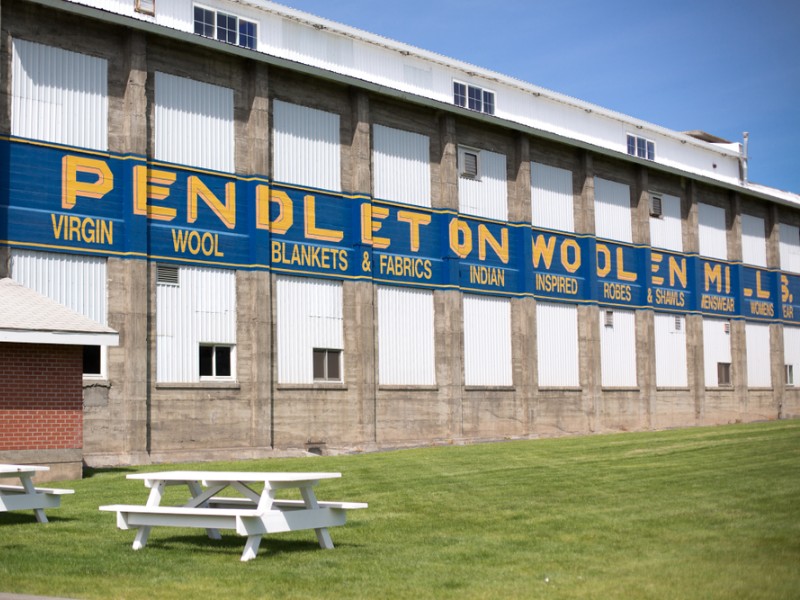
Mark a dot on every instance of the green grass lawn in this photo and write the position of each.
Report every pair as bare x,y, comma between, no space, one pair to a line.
693,513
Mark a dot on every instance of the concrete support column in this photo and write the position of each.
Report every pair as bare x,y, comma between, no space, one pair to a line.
254,288
117,414
738,332
645,339
588,316
777,352
694,323
448,164
519,196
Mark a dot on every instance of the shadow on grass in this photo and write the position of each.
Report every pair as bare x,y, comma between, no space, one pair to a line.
235,545
19,518
89,472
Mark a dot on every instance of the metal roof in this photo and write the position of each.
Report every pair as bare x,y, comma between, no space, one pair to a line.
28,317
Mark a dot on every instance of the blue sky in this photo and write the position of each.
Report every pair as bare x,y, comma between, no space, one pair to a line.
721,66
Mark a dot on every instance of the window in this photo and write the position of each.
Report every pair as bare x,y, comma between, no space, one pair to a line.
789,371
473,97
92,361
327,365
723,374
608,320
225,27
147,7
641,147
215,362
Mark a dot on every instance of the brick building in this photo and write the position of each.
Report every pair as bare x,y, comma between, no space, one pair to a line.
41,367
311,237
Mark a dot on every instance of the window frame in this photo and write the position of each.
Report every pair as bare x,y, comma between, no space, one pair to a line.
474,97
215,27
724,368
327,354
215,363
788,374
146,7
641,147
462,170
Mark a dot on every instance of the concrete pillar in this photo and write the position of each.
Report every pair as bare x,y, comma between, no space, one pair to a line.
694,323
738,333
777,352
360,297
589,315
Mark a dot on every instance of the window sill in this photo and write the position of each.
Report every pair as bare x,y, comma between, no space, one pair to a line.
720,388
408,388
673,389
317,385
489,388
96,382
619,389
200,385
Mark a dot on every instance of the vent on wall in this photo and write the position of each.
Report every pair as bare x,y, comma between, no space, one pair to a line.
609,318
469,163
147,7
655,207
167,274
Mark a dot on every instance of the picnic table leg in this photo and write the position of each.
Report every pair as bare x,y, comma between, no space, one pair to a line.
251,547
154,499
27,484
323,537
196,490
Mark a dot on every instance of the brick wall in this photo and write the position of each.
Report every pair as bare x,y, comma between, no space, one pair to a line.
41,397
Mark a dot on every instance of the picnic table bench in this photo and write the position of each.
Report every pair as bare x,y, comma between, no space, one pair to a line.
27,496
251,514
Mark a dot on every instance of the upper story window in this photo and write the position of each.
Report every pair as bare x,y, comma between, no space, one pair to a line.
641,147
473,97
225,27
147,7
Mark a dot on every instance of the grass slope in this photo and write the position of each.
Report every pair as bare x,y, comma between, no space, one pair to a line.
693,513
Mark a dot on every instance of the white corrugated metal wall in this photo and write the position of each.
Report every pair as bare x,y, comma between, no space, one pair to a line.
612,210
200,309
401,166
716,348
309,315
712,231
791,351
670,342
59,96
487,341
665,231
790,247
754,241
305,146
487,195
406,353
557,344
194,123
759,373
551,198
618,348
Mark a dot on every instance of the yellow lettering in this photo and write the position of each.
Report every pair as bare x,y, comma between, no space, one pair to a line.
460,238
500,248
311,230
542,249
225,212
602,250
570,265
369,225
152,184
72,189
414,221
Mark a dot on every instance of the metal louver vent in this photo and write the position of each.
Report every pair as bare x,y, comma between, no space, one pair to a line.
655,206
470,165
167,274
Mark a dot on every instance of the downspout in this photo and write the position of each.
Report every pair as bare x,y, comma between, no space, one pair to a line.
743,159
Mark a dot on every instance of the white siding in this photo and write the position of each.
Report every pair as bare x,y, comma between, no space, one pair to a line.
193,123
670,339
487,195
487,341
557,344
612,210
59,96
618,349
78,282
309,316
551,198
401,166
201,309
790,248
712,232
665,231
754,242
791,351
759,372
405,337
716,348
305,146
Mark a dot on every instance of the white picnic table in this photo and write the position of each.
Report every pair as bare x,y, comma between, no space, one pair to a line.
250,513
27,496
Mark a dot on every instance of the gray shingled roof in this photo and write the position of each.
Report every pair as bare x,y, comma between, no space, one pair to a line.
27,316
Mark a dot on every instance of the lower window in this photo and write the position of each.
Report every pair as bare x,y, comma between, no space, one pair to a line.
723,373
215,362
327,365
92,362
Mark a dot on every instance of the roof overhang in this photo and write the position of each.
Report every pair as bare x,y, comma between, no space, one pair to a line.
63,338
